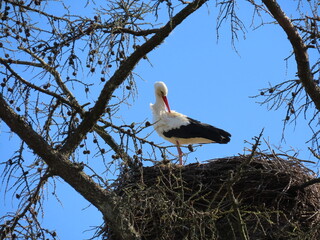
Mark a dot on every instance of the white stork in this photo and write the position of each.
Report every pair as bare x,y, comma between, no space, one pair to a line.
180,129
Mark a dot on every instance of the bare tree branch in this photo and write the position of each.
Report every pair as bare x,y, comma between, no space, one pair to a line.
300,51
8,228
17,76
56,76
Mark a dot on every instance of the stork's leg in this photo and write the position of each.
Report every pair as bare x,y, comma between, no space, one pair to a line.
180,153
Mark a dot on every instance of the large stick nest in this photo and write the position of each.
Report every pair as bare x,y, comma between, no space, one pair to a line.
244,197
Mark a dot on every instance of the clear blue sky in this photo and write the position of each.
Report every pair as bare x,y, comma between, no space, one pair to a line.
208,81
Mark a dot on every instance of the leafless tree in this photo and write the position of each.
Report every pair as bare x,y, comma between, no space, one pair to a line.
44,56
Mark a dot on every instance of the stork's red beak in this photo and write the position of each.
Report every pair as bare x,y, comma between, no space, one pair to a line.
166,103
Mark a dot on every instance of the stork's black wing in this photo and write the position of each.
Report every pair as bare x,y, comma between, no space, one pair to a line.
196,129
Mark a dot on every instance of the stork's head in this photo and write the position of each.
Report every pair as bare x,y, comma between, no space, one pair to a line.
161,92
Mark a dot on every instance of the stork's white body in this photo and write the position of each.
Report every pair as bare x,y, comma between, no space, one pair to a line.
180,129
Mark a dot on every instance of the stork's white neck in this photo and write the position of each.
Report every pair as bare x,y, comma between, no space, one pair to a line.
159,106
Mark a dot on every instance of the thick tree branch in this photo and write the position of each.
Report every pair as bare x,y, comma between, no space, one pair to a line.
300,51
60,165
122,73
307,184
